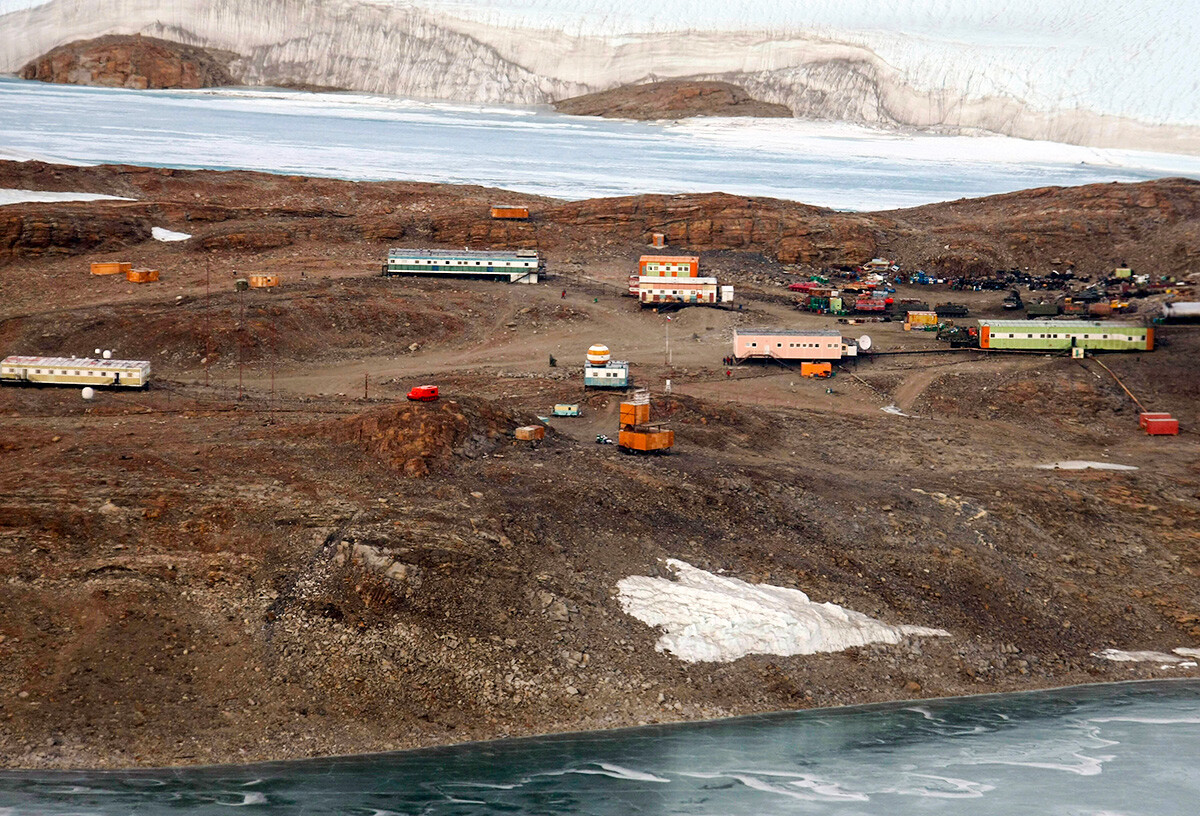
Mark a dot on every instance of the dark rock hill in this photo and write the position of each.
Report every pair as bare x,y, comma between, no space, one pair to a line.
132,62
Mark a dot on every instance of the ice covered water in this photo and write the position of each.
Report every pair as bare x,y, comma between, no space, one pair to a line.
533,150
1123,748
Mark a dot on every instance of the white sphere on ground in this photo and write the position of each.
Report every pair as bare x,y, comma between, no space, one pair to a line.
598,354
89,393
97,352
107,354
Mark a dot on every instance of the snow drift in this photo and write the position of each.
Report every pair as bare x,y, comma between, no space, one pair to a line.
705,617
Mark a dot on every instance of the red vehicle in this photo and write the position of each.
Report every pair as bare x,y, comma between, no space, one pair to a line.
424,393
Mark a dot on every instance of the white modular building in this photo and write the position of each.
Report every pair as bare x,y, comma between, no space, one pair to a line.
75,371
652,290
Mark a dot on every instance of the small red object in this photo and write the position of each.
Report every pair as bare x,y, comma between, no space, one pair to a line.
424,393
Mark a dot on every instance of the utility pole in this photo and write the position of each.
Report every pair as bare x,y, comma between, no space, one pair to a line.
241,328
366,384
207,316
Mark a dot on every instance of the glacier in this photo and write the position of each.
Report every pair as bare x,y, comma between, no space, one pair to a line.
532,150
1102,73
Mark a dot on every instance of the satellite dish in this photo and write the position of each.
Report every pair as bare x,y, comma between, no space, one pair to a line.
864,342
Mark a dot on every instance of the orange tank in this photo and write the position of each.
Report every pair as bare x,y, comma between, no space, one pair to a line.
141,275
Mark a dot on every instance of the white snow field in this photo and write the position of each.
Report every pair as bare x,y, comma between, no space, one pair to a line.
1094,72
526,149
164,234
707,617
11,196
1084,464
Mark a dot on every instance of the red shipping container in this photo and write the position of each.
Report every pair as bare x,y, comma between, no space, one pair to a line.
1162,427
1142,418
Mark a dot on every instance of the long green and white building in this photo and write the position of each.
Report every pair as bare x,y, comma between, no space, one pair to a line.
1063,335
514,266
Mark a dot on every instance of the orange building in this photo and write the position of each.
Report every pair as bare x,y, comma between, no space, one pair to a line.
669,266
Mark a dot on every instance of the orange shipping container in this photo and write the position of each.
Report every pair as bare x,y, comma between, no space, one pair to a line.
646,440
141,275
112,268
530,433
815,369
632,414
509,211
263,281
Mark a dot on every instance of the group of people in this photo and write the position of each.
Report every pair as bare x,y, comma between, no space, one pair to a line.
729,360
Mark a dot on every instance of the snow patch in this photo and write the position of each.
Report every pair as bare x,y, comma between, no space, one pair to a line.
707,617
161,234
894,410
12,196
1083,464
1166,661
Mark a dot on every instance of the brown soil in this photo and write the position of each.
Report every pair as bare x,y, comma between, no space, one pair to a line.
318,566
671,99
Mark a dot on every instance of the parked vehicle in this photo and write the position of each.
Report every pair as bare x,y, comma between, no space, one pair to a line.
424,393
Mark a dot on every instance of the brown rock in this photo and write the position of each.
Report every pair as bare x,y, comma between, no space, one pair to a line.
671,99
132,62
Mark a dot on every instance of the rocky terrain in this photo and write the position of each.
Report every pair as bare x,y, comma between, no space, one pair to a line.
118,61
1152,225
671,99
270,553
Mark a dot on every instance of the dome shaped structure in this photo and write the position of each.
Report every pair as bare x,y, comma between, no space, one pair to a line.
598,354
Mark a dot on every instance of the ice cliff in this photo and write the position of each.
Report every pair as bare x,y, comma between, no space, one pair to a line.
1101,73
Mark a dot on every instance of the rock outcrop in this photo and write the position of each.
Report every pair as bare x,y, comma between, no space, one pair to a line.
132,62
671,99
35,230
1153,224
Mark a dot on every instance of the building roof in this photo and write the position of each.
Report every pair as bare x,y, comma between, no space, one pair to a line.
475,255
72,362
1064,325
670,258
790,332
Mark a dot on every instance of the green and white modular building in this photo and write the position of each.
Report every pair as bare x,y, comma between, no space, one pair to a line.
1064,335
513,266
